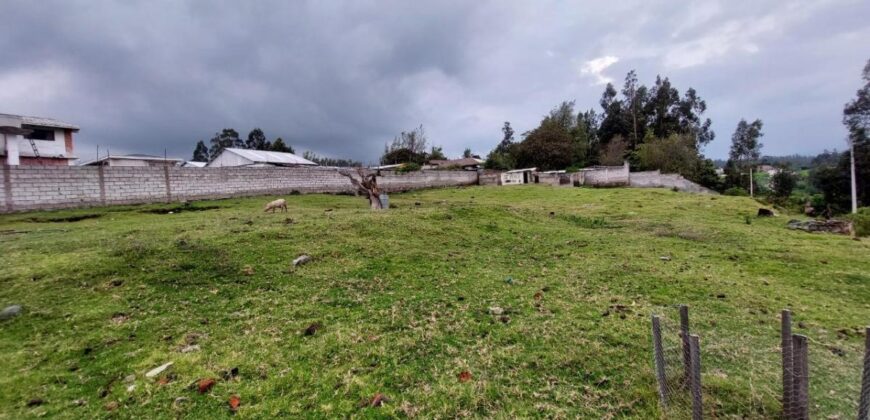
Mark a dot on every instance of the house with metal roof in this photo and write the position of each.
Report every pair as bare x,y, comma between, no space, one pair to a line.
135,159
26,140
256,158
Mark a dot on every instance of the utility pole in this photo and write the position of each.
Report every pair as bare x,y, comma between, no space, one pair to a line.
751,182
854,186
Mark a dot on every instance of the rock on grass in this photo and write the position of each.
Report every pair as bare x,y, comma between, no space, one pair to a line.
158,370
10,312
302,259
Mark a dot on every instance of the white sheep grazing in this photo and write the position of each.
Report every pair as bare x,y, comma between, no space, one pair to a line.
277,204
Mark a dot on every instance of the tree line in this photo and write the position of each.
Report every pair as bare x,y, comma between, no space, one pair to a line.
257,140
229,138
653,127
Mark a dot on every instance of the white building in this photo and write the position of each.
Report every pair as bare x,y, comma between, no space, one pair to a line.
518,176
194,164
36,141
257,158
133,160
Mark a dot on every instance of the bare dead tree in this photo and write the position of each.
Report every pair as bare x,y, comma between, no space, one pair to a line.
367,184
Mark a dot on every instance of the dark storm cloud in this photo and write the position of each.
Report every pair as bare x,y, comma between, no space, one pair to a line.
342,78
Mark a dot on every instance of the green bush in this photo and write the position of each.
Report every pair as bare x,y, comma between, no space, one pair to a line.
408,167
736,191
861,221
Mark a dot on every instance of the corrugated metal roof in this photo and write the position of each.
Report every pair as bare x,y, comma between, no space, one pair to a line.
262,156
44,122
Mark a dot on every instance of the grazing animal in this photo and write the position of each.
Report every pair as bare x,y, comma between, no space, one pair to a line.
277,204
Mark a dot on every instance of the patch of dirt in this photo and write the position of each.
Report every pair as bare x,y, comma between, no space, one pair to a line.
179,209
119,318
64,219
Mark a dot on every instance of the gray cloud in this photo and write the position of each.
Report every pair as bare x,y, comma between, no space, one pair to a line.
343,77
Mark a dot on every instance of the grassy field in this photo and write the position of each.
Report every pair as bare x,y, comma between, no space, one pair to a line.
397,303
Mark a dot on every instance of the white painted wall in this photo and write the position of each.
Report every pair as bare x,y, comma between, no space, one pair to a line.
11,122
512,178
12,150
46,148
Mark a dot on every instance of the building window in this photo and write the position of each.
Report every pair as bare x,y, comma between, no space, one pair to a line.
39,133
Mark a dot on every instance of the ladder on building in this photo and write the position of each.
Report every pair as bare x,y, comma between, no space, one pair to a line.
33,145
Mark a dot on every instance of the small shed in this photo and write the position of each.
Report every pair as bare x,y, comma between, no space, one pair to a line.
519,176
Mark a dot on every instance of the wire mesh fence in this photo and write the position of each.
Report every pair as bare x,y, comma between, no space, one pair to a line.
764,370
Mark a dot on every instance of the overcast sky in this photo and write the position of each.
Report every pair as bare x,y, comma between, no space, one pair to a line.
342,78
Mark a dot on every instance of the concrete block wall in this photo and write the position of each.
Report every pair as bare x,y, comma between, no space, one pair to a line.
48,187
606,176
489,178
131,185
656,179
426,179
35,187
549,179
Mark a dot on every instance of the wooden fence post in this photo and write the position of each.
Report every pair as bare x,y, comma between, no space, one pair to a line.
659,359
801,390
695,357
864,404
787,364
684,335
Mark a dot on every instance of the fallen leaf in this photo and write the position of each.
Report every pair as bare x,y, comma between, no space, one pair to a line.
464,376
111,406
163,380
205,385
379,400
235,401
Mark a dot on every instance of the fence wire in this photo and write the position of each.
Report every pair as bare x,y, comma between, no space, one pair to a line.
745,374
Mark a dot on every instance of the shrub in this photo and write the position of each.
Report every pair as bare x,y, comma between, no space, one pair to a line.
408,167
736,191
861,221
782,184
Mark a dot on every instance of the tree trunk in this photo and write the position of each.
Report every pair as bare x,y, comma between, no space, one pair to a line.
366,185
854,186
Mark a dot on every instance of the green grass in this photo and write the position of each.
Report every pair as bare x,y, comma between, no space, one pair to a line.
403,297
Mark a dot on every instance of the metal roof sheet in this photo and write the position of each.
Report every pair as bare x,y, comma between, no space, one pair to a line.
263,156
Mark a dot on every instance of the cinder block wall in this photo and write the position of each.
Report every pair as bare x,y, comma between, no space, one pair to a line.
49,187
606,176
656,179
